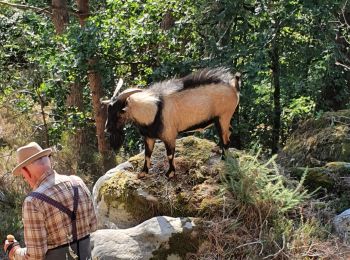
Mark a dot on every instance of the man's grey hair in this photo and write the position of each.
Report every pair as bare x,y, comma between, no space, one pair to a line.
44,161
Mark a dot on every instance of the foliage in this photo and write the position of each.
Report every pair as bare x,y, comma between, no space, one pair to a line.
261,184
264,216
148,41
298,110
131,41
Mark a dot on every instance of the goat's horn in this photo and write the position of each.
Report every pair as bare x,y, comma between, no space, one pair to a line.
117,88
126,93
105,102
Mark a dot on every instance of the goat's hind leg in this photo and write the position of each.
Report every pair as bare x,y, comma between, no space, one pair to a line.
170,151
222,125
149,145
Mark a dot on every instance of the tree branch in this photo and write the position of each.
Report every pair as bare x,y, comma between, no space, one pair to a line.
343,65
27,7
343,13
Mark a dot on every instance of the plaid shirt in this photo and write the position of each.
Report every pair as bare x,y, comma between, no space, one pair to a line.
45,226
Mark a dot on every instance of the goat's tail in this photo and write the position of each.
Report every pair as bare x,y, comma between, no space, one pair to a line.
236,81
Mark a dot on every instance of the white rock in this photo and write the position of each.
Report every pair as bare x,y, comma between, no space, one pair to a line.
107,216
139,242
341,225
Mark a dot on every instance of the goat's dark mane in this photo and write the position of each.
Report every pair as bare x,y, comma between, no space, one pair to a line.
206,77
193,80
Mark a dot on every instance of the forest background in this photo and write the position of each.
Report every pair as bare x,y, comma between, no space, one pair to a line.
59,58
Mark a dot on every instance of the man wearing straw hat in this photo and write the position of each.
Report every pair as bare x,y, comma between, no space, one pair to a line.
58,215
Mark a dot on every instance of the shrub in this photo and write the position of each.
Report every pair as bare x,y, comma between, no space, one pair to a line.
263,216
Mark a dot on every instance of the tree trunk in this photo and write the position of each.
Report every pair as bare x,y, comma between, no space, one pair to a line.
100,115
275,66
99,110
78,141
81,139
60,15
83,11
43,114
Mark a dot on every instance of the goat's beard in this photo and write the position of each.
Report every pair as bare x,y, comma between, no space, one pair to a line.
116,139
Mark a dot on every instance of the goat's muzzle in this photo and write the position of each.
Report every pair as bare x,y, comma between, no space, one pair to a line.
107,134
116,138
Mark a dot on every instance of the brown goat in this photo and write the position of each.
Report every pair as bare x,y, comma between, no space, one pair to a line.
206,97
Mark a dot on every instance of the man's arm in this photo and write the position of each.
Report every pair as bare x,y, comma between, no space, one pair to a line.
35,235
92,214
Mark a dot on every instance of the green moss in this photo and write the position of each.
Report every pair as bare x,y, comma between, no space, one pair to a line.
318,141
179,244
345,151
137,160
316,177
210,206
192,148
114,187
339,168
122,190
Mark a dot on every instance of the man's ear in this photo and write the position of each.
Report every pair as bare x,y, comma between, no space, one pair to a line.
26,172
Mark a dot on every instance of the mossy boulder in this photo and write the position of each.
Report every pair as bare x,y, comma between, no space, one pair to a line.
320,146
319,141
122,200
333,176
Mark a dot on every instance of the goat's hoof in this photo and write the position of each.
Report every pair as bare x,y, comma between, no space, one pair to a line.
141,175
216,149
170,175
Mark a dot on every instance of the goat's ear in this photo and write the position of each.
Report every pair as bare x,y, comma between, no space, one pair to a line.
237,82
118,87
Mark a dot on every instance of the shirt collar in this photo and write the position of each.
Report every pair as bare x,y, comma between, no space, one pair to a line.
43,178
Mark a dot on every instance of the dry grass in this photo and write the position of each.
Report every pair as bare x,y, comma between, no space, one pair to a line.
236,237
257,224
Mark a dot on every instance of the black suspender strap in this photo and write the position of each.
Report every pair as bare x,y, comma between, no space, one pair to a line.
71,213
74,218
74,213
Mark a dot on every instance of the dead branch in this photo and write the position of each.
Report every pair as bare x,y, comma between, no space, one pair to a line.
27,7
343,65
279,251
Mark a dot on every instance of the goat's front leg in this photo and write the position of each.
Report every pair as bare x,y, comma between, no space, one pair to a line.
149,145
170,151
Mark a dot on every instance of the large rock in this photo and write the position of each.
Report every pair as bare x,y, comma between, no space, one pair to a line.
157,238
319,141
341,224
321,147
333,176
110,212
122,200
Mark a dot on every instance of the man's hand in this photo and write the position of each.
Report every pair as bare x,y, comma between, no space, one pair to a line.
10,246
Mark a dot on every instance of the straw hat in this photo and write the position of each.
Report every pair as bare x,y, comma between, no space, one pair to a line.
28,154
